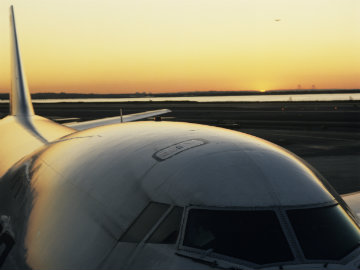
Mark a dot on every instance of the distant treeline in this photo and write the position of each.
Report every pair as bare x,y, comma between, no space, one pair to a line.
63,95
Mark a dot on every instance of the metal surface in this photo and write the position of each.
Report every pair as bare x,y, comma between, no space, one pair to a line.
175,149
353,200
18,140
20,100
83,191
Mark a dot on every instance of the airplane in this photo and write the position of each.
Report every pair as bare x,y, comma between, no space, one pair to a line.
161,195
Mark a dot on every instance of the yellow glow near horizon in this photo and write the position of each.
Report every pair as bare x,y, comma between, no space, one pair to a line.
171,45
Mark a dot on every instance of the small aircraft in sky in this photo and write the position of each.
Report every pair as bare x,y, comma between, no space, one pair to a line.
161,195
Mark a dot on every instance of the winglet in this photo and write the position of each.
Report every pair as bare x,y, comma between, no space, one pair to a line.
20,99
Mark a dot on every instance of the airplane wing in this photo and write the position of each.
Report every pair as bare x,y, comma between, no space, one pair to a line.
116,119
353,201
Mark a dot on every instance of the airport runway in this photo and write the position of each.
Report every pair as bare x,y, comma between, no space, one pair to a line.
325,134
335,154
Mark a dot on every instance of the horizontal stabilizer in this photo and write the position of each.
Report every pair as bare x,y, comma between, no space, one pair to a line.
115,120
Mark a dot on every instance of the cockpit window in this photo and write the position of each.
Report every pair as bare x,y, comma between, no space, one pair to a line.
254,236
157,223
145,221
324,233
168,230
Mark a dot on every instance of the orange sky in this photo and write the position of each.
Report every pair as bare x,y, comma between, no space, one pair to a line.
114,46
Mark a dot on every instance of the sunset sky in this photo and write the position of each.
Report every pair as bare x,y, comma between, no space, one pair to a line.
118,46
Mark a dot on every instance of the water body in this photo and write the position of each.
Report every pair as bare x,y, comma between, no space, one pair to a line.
249,98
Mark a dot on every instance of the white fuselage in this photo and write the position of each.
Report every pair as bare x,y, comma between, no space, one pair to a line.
84,190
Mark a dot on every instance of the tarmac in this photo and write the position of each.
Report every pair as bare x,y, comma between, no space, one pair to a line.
325,134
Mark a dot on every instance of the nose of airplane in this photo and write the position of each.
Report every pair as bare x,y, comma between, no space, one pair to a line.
174,196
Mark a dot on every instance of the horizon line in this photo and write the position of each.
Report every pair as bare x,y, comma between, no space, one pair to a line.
181,92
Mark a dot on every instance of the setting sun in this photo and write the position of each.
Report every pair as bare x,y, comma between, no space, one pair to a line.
170,45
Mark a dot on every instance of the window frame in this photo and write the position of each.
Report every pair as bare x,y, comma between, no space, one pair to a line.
165,217
344,260
151,228
147,236
285,224
225,260
349,257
